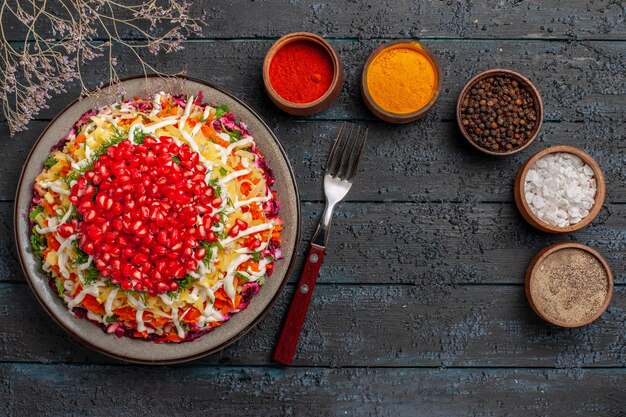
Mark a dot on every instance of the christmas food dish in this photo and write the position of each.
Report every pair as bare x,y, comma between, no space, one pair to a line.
155,217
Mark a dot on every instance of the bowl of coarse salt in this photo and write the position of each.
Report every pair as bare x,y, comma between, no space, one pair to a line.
560,189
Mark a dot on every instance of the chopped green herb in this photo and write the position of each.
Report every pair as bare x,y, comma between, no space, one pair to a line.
60,286
76,216
182,284
117,137
256,256
111,319
91,275
52,161
223,171
139,135
176,159
241,276
221,110
261,281
81,257
234,135
38,242
33,214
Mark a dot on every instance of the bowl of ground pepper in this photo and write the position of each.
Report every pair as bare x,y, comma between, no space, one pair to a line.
569,284
302,73
499,112
401,81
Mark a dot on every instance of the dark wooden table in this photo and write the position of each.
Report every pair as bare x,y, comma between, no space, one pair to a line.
420,308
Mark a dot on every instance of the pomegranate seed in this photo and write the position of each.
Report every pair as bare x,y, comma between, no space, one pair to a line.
174,286
211,236
242,224
88,248
141,223
65,230
90,215
207,222
200,254
234,231
216,202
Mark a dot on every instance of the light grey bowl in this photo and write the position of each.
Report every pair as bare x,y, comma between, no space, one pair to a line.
140,351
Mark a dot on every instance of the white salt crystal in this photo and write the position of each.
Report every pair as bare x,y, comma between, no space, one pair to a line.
560,189
538,202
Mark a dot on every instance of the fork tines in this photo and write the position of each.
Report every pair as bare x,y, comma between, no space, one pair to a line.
345,155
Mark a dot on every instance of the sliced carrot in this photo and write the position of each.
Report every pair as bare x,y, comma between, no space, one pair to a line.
48,208
223,306
276,233
168,111
126,313
52,242
221,295
256,211
91,303
141,335
80,138
56,269
125,122
238,299
209,132
172,337
159,321
192,315
245,188
254,266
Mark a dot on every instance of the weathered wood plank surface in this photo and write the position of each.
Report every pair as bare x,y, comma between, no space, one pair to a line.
96,390
431,158
578,19
420,308
422,244
372,325
577,80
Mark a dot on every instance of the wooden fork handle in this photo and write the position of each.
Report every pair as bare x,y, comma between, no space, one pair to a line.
290,333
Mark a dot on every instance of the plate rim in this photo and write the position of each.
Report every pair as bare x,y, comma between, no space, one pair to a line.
239,334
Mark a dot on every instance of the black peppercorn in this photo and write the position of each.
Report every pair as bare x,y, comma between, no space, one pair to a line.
498,113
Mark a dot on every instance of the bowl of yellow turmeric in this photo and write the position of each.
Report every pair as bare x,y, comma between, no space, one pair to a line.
401,81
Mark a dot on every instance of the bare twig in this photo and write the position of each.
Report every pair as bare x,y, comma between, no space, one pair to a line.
81,31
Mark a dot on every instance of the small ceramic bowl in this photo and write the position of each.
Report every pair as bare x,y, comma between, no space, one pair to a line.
388,116
524,208
520,79
536,263
316,106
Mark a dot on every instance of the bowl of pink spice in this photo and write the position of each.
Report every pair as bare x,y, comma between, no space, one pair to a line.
302,73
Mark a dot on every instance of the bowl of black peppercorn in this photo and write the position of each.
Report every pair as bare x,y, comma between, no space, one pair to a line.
499,112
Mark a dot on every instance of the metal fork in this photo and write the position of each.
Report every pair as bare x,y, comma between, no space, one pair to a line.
341,168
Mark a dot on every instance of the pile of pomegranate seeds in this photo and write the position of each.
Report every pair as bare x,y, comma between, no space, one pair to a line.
145,209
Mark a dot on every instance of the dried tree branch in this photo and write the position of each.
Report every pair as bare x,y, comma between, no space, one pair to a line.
81,31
